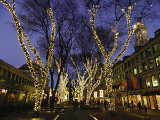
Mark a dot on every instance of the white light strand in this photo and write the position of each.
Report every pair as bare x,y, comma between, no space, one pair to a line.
41,79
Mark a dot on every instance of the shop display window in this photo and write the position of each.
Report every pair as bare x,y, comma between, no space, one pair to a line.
145,101
139,98
152,102
158,101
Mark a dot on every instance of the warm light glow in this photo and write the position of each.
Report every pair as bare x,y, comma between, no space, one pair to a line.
62,89
50,92
135,71
101,93
148,84
4,91
95,94
92,68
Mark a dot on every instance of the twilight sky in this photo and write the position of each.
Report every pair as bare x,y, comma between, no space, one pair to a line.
11,52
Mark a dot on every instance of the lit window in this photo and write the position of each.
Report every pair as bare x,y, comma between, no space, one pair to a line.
140,68
145,67
139,98
50,92
148,83
95,94
154,81
158,61
158,101
101,93
135,71
3,91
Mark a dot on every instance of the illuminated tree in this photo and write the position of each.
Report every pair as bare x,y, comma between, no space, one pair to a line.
88,79
62,89
40,80
36,22
79,86
109,54
94,77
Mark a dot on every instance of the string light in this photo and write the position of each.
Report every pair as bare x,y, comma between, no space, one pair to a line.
130,34
108,64
40,77
62,90
92,69
87,80
79,84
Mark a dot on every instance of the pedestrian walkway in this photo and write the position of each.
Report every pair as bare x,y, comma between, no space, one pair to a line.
77,114
150,115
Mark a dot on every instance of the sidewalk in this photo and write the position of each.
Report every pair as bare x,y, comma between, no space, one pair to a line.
76,114
150,115
28,116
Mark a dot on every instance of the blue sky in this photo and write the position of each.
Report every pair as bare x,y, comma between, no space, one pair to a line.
10,50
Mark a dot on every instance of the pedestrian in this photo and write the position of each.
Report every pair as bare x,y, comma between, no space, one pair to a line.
105,105
145,108
139,106
132,105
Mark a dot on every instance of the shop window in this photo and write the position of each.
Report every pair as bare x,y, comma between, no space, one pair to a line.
158,101
155,81
158,61
140,68
145,101
135,71
152,101
145,66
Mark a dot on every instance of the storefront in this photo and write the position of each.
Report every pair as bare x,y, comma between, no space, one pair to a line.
151,98
135,99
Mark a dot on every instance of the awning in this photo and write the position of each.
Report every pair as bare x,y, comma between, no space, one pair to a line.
151,91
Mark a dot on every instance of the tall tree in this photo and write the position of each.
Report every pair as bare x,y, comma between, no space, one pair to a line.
108,54
41,80
38,24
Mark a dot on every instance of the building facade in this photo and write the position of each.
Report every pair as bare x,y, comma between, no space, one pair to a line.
15,85
136,79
